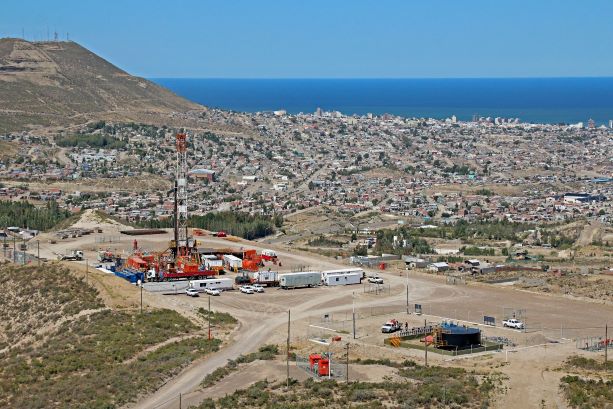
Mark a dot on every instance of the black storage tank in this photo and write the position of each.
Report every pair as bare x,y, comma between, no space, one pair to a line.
460,337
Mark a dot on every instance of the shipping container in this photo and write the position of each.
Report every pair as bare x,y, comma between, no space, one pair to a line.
213,263
216,283
132,276
231,263
269,278
300,279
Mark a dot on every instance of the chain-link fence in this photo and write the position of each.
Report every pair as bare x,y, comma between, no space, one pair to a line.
594,344
107,239
338,369
455,280
19,257
376,289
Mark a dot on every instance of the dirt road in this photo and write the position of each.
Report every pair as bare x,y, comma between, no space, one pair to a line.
264,316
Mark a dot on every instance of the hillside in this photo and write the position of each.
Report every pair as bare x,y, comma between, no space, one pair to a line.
65,343
59,83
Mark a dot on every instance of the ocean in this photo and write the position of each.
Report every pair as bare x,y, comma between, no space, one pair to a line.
536,100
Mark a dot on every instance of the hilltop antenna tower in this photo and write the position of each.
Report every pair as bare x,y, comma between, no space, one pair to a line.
181,237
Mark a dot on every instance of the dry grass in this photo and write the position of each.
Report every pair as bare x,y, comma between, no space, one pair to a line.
34,297
88,356
418,387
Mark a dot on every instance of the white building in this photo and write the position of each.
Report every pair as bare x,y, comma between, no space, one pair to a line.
341,277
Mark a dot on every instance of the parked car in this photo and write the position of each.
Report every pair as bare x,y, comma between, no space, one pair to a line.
212,291
220,233
375,280
246,289
258,288
192,292
513,323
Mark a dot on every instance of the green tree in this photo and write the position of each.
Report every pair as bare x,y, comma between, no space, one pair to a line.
360,250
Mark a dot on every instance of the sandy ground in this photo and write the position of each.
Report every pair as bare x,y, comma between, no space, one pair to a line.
264,316
553,322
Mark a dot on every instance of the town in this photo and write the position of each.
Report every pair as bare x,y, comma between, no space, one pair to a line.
275,163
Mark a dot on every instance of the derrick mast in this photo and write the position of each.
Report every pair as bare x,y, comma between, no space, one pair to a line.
181,236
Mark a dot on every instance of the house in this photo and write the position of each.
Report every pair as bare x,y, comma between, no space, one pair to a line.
438,267
484,269
203,174
412,262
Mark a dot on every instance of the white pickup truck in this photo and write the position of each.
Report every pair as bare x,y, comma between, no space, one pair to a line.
391,326
375,280
513,323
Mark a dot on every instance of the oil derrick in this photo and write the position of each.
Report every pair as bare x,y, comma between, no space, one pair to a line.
180,227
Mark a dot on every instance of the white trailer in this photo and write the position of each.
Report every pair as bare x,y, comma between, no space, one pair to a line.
300,279
268,278
232,263
341,278
212,263
167,287
359,271
223,284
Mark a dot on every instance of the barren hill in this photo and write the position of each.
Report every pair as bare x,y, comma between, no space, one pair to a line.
58,83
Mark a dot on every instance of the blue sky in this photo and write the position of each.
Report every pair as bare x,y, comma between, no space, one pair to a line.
331,38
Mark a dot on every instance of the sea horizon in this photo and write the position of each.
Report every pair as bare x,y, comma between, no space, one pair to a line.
531,99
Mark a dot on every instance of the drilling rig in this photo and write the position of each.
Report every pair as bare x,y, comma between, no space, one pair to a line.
181,260
181,246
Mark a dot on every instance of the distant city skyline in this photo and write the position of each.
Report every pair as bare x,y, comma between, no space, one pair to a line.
325,39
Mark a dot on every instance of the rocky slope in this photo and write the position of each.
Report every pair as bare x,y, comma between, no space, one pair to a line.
60,83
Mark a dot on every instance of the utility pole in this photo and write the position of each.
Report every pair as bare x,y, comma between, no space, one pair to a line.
209,317
288,334
407,291
23,251
4,246
353,315
141,298
180,405
426,342
347,369
14,251
38,251
606,342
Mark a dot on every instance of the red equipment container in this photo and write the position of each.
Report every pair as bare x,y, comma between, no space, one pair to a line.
324,367
313,360
249,254
137,263
250,265
382,266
